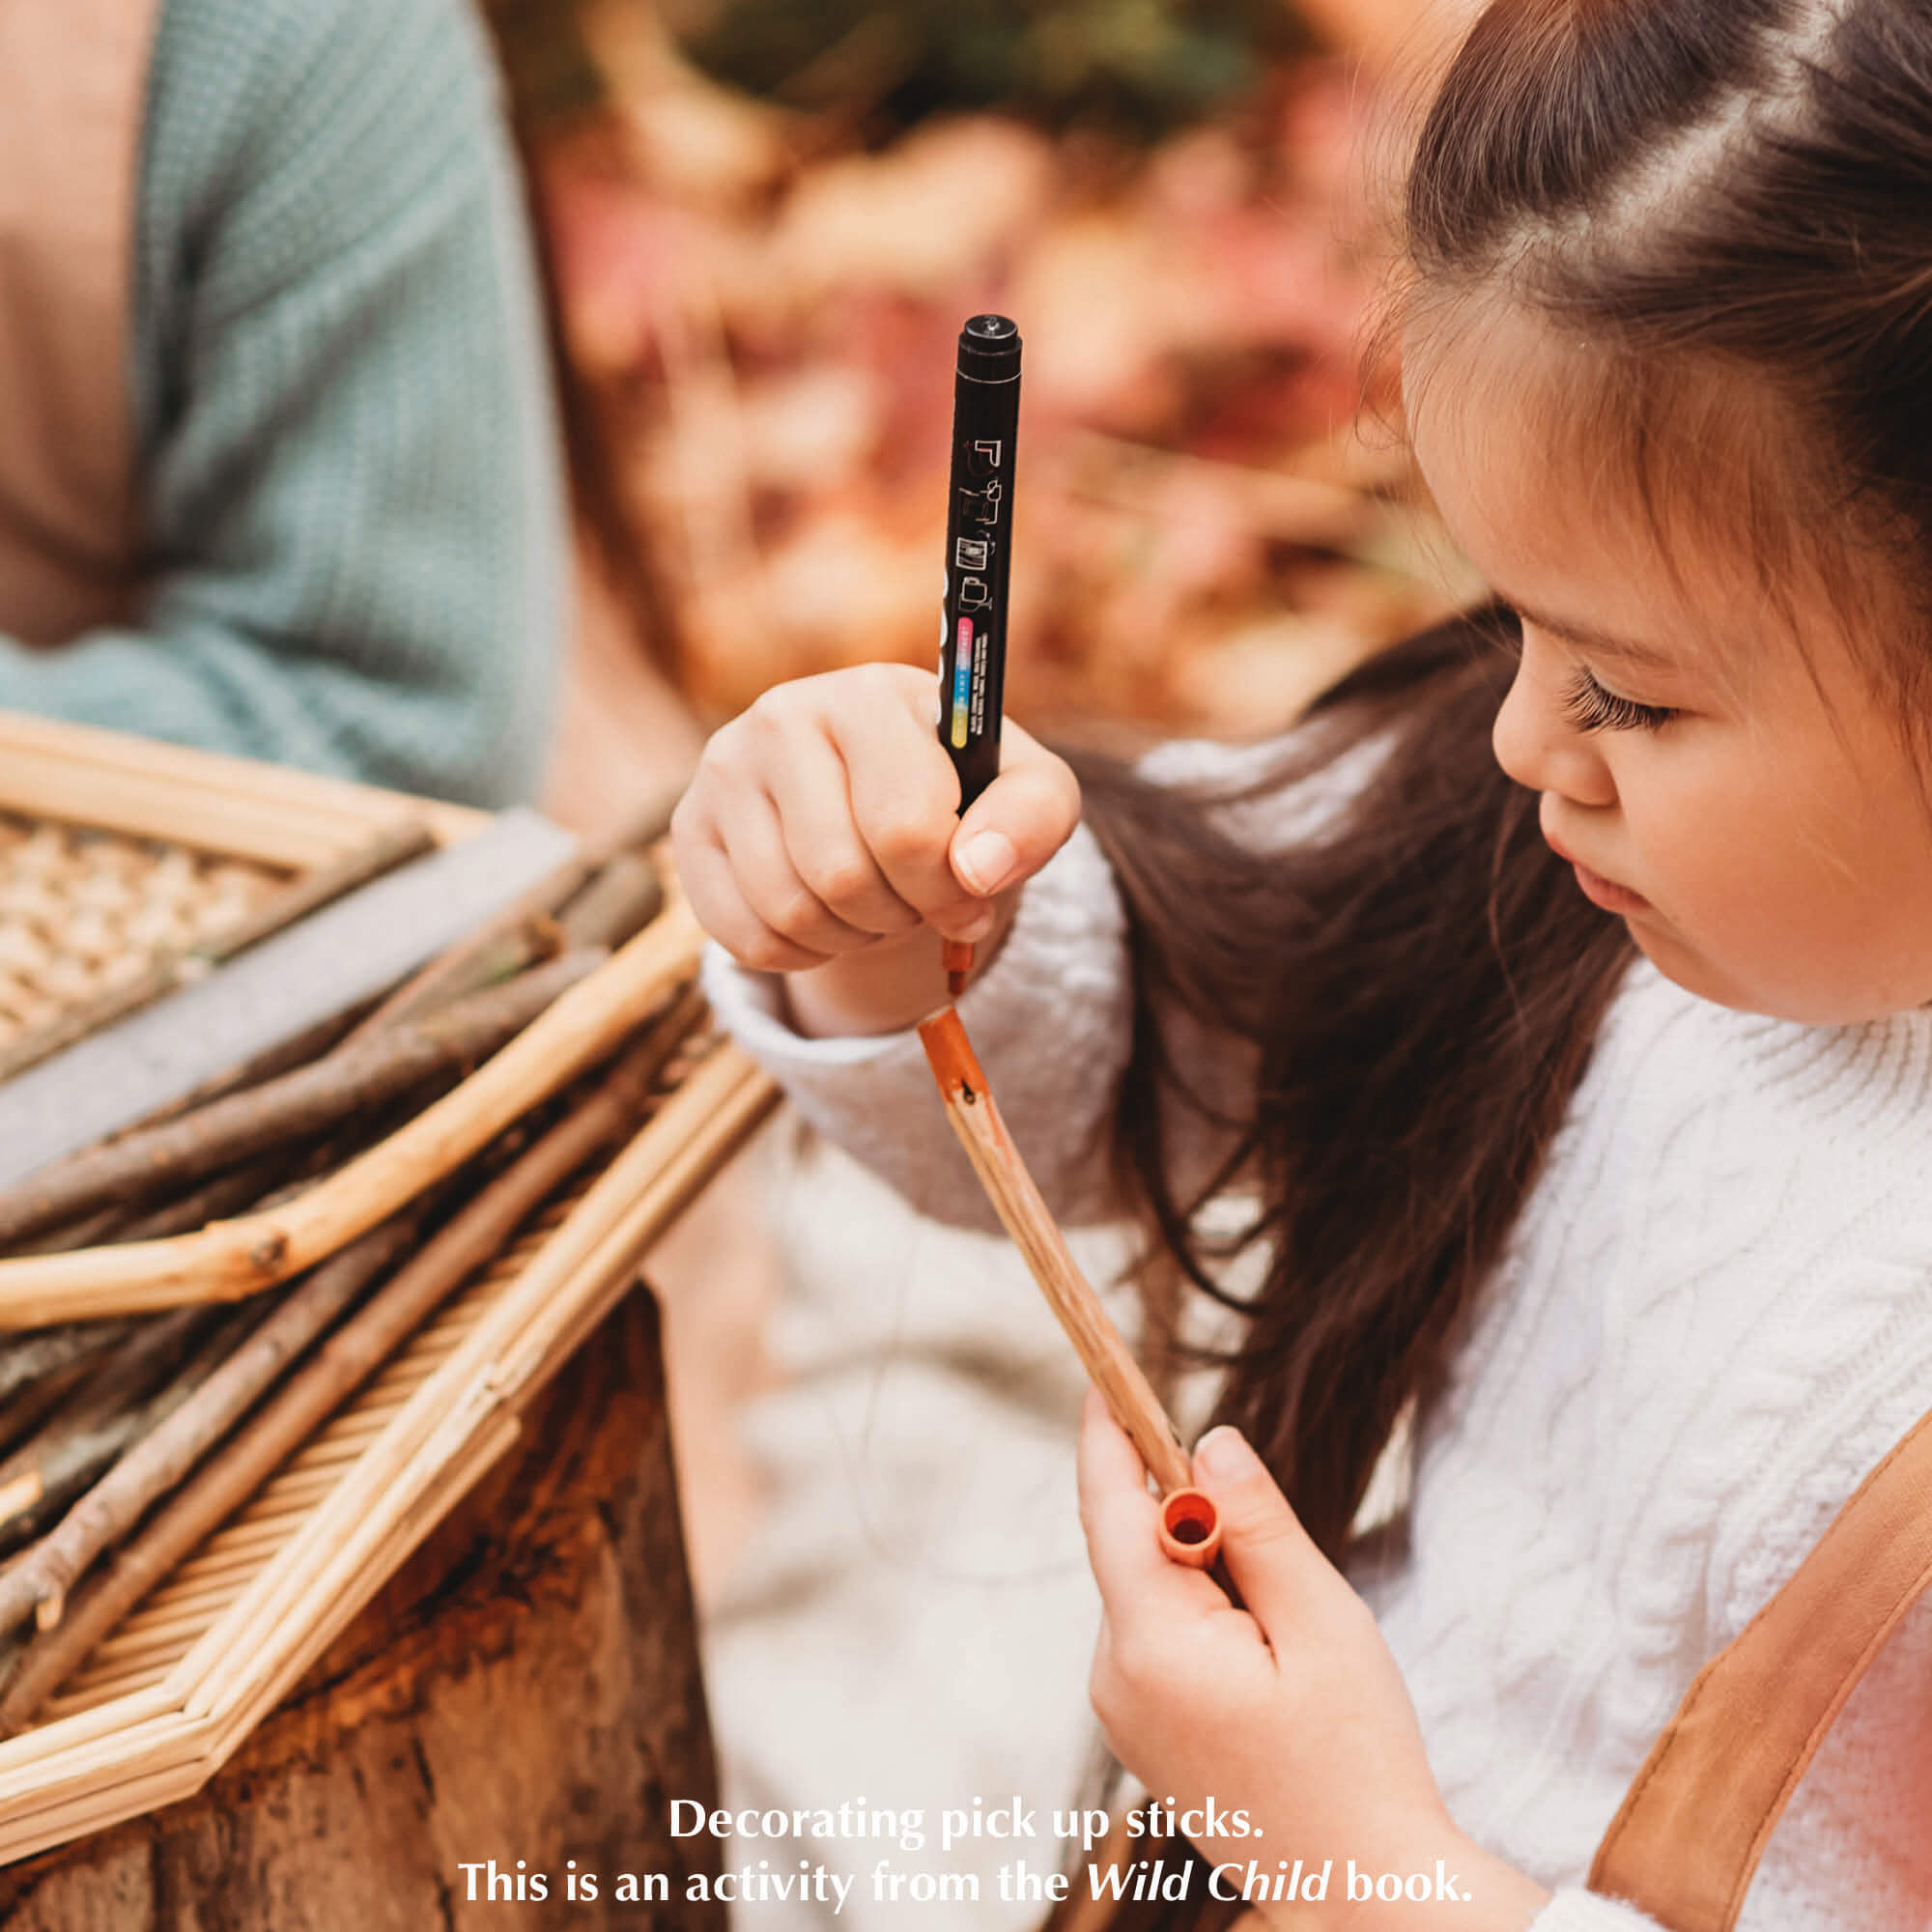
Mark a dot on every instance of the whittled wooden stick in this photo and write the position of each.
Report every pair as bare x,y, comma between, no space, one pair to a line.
1190,1533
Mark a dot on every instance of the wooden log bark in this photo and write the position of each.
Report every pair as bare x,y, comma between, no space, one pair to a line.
526,1686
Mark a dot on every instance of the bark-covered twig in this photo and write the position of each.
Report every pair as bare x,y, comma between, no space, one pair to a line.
99,1412
391,844
29,1407
89,1232
256,1181
33,1353
238,1187
619,900
307,1101
478,961
36,1586
79,1442
472,1238
38,1353
230,1258
297,1050
524,928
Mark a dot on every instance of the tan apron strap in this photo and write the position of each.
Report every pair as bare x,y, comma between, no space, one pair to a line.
1697,1819
73,89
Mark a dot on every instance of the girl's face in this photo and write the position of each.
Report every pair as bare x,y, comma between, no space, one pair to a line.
1743,803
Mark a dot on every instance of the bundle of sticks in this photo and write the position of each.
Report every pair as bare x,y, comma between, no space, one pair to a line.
362,1173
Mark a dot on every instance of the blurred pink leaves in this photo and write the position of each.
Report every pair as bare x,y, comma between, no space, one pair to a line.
767,319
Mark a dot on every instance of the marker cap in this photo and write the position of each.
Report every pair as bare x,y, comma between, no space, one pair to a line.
989,348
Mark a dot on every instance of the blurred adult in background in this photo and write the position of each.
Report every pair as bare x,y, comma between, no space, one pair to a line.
277,465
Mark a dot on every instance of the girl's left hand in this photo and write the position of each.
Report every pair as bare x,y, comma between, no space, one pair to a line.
1289,1716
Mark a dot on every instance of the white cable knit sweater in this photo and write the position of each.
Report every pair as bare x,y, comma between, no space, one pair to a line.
1715,1316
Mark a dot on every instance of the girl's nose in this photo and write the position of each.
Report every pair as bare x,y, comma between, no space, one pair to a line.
1537,742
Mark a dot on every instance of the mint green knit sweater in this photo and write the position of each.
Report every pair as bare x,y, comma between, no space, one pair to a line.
344,428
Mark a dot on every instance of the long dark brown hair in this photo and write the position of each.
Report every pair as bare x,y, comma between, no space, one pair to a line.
1421,983
1730,200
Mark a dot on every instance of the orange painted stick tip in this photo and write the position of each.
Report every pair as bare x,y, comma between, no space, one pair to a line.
1190,1528
950,1053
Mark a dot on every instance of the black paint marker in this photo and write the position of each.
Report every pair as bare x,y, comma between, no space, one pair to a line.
979,554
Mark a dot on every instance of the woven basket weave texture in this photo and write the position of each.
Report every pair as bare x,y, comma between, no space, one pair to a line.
83,910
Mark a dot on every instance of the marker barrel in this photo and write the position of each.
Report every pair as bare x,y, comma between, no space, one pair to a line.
978,550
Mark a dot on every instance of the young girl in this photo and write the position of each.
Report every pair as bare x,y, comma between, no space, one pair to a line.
1587,1101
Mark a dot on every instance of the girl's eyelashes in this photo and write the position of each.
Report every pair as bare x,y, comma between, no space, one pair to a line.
1589,707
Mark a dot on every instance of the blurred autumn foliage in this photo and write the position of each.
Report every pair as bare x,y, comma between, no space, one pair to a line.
1137,69
758,294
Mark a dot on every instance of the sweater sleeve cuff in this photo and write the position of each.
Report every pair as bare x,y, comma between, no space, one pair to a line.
1574,1910
1048,1018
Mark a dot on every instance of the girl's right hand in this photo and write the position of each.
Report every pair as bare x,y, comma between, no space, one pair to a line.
820,839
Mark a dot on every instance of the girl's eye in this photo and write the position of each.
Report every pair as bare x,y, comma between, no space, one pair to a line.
1589,707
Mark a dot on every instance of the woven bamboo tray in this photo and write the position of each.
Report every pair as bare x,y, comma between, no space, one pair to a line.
110,847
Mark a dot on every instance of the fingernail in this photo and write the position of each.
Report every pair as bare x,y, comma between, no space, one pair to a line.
1224,1452
984,861
977,927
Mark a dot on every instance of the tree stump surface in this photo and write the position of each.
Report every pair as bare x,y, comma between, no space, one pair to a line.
526,1686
